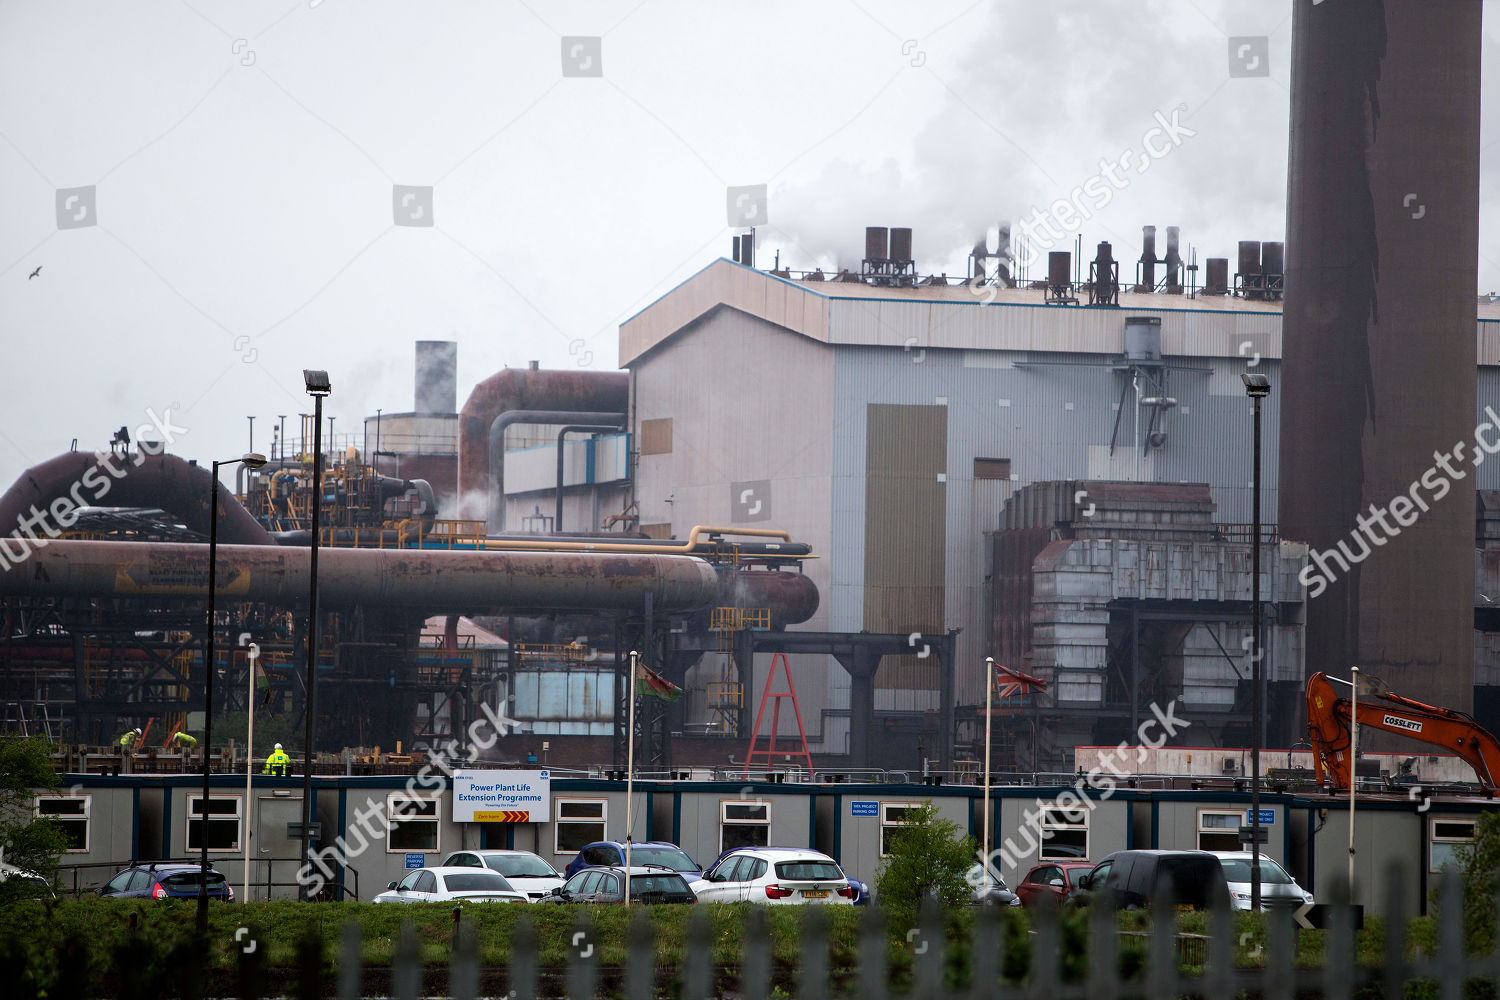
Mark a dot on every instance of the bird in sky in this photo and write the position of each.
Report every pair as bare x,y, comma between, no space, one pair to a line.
33,274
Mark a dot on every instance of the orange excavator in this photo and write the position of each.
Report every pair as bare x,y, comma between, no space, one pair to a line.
1328,710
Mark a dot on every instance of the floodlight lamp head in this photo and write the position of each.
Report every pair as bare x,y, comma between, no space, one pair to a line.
1256,386
316,382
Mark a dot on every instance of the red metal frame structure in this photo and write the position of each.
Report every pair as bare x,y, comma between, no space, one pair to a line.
779,660
1328,723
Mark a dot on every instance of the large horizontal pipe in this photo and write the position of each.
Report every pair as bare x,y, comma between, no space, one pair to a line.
411,579
75,479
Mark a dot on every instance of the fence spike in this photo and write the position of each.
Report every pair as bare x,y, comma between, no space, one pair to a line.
697,971
929,977
523,959
406,968
1103,952
1494,962
583,958
640,969
310,964
1219,976
874,980
463,971
812,978
1042,970
755,970
1451,936
1338,952
1164,945
1395,930
1281,955
351,960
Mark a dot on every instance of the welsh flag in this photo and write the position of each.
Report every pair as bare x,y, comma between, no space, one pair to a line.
649,682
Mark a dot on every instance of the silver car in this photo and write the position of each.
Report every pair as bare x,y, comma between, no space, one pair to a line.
447,885
525,871
1277,888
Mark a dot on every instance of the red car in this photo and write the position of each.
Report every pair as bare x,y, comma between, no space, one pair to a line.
1051,878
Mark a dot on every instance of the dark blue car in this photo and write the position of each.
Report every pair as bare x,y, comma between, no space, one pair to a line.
861,889
166,880
646,853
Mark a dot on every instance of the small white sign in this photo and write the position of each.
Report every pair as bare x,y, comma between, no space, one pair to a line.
501,796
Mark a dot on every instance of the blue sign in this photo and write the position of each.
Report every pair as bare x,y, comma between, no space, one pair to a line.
1267,816
415,861
858,808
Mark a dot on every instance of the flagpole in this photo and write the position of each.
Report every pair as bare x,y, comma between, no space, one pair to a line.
629,775
1353,766
989,681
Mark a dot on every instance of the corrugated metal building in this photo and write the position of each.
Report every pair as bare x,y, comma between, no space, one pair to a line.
889,426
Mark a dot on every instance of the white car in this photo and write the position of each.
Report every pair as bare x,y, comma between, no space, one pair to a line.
526,872
1277,888
447,885
775,875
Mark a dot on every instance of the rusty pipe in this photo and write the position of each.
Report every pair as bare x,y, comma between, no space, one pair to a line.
411,579
524,389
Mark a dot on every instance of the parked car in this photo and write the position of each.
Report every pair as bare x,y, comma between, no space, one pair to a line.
1051,879
657,853
1277,888
775,875
999,894
446,885
167,880
603,885
862,893
1132,880
526,871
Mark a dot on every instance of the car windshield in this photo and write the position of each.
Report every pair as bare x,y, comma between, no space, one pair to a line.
1238,870
641,885
674,858
520,866
808,870
477,881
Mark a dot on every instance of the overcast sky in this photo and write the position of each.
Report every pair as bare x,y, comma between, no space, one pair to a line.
244,159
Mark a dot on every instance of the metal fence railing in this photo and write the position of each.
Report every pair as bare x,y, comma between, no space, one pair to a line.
72,879
1082,957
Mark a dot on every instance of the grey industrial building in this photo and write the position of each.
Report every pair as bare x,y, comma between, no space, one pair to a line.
1065,487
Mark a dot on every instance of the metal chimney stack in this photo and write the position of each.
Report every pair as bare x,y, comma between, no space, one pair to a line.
1148,259
1378,372
1173,261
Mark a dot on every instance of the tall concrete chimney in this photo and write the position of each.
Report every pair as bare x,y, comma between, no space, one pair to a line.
1378,371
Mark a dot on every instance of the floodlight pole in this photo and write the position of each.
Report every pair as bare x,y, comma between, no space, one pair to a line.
255,462
1257,387
317,387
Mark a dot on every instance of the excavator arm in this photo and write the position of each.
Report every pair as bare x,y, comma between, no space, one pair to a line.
1328,727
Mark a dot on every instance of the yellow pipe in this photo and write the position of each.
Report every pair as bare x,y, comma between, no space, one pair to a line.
680,548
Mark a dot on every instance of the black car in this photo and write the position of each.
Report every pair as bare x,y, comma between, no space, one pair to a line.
603,885
1133,880
167,880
